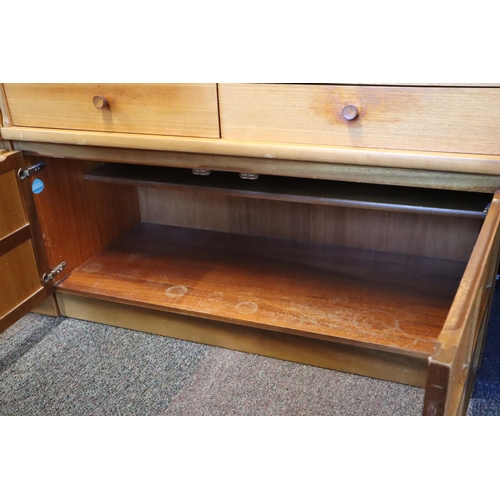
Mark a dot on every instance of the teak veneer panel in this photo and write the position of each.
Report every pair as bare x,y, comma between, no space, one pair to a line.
189,110
454,120
78,218
12,212
385,301
458,351
19,277
425,235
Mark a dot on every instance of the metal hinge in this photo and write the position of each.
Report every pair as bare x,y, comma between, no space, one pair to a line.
23,174
487,208
50,276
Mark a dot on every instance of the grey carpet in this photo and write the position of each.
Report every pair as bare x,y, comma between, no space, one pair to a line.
61,366
82,368
22,336
234,383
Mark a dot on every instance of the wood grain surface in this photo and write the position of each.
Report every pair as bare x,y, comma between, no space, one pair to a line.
12,215
304,169
386,301
344,155
79,218
4,108
397,232
455,120
19,277
457,354
21,267
405,369
166,109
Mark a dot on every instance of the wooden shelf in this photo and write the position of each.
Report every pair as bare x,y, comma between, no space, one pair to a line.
312,191
389,302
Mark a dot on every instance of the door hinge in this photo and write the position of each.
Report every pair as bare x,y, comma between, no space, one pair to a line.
23,174
50,276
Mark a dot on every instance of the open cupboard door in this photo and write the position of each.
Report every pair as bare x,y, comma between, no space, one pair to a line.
458,351
24,275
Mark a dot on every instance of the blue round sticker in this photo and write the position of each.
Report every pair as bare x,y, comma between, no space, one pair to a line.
37,186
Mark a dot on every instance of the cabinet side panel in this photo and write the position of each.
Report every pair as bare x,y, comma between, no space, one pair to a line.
413,234
78,218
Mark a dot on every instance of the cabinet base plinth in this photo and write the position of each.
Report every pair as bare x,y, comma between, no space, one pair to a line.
324,354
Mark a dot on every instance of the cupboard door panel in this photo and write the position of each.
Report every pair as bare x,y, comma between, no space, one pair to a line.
11,205
21,288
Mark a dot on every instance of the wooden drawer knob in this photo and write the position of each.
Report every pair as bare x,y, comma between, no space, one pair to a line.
350,112
100,102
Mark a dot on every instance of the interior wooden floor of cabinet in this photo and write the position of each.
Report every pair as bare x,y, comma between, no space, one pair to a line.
391,302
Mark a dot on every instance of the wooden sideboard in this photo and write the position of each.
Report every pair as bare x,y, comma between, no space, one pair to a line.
349,227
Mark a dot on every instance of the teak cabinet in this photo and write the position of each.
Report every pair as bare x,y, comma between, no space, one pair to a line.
349,227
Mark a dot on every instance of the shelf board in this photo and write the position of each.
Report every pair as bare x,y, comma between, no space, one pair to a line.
392,302
299,190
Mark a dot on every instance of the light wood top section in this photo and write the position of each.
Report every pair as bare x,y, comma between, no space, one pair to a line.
454,120
345,156
386,301
188,110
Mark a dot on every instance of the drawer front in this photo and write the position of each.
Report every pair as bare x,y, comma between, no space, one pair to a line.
188,110
444,119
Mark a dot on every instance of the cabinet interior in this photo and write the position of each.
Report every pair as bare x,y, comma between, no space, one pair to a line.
365,265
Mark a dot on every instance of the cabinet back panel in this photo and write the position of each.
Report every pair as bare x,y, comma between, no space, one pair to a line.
433,236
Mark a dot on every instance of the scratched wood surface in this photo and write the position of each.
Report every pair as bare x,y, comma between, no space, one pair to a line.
387,301
78,218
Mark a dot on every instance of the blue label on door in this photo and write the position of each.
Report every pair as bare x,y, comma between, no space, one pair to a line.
37,186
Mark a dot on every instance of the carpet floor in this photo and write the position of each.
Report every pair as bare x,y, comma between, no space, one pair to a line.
62,366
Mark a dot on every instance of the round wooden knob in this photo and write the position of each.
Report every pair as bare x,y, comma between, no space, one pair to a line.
350,112
100,102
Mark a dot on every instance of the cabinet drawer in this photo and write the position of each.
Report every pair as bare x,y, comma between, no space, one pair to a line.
442,119
188,110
